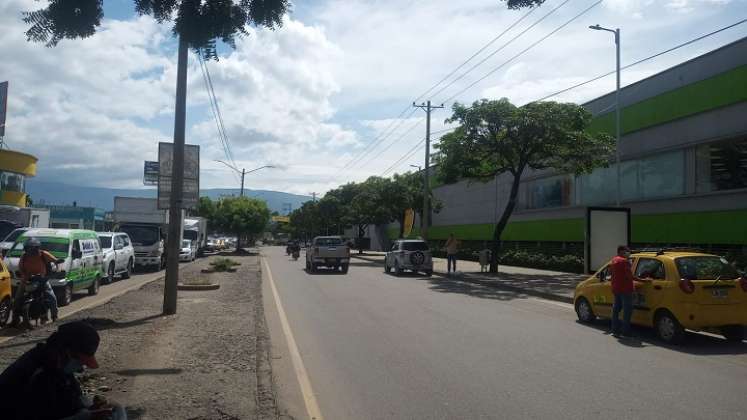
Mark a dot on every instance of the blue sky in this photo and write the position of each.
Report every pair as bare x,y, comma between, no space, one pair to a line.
313,95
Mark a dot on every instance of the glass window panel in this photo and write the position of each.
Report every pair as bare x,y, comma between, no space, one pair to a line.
555,191
598,187
721,166
662,175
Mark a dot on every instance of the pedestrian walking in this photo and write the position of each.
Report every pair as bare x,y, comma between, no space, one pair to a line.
452,245
623,287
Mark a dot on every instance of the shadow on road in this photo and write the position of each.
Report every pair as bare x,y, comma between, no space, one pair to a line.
110,324
144,372
135,413
453,285
694,343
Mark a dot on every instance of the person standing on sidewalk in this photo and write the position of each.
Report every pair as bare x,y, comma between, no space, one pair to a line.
451,253
623,287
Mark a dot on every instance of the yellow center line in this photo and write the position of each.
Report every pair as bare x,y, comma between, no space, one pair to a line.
312,407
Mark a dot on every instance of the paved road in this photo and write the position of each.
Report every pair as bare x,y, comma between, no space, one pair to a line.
380,347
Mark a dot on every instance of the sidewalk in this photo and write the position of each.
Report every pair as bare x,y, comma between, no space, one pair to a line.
553,285
210,360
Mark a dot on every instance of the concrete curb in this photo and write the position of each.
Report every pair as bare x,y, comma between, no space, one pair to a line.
466,279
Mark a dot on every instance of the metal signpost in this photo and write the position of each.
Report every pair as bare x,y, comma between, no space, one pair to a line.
3,106
191,192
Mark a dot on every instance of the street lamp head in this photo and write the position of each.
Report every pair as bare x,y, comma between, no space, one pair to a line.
595,27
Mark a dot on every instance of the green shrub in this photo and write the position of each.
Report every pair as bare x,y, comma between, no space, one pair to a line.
223,264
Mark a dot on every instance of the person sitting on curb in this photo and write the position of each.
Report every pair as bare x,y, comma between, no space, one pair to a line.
41,384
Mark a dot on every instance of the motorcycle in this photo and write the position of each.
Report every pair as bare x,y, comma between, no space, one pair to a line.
35,306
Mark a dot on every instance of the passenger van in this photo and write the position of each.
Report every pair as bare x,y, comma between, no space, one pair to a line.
82,255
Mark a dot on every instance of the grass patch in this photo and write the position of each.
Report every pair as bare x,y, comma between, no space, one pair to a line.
223,264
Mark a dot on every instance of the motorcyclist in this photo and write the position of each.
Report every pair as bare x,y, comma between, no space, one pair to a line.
34,262
41,384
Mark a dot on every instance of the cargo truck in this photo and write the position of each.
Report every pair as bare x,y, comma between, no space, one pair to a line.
147,227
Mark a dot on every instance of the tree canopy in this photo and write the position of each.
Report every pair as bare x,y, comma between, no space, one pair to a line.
495,137
244,216
200,22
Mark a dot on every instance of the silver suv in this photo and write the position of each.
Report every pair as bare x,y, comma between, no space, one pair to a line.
409,254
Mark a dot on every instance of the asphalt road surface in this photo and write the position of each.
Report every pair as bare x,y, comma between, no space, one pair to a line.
376,346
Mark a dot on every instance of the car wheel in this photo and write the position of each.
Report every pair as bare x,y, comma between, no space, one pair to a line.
387,269
5,308
128,272
344,269
668,328
64,295
428,273
110,273
583,311
94,288
732,333
397,269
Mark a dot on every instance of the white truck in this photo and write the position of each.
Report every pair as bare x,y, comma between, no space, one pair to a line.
147,227
195,230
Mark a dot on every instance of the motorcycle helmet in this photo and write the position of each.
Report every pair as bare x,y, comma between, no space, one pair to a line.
32,245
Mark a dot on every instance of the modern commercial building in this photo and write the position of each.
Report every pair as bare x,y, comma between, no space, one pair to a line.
684,169
74,217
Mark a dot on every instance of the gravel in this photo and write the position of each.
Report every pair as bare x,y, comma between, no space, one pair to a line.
209,361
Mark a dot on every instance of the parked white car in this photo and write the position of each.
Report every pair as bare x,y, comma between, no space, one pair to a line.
188,251
119,255
409,254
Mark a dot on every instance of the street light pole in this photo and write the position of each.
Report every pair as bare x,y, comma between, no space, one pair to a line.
616,32
420,168
426,183
243,172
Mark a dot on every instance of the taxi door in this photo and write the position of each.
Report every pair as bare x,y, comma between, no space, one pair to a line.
601,293
648,297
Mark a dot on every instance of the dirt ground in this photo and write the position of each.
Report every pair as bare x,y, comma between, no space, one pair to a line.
210,361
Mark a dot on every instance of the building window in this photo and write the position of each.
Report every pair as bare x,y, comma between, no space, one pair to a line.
721,166
662,175
556,191
11,181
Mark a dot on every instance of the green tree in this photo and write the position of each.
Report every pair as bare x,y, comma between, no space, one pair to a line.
206,208
244,216
411,192
305,221
494,137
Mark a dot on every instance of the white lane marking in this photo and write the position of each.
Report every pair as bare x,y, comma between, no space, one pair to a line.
312,407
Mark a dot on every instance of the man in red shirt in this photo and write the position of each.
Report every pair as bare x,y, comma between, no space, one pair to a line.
623,287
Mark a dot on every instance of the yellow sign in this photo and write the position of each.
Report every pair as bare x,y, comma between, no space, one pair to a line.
409,221
281,219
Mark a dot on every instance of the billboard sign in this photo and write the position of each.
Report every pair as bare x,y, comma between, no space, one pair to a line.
191,185
3,106
150,173
606,229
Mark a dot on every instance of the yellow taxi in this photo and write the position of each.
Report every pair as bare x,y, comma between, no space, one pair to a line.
680,290
5,294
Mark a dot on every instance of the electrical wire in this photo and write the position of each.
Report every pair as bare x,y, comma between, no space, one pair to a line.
643,60
406,132
525,50
509,42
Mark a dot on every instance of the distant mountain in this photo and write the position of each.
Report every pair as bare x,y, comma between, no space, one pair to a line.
56,193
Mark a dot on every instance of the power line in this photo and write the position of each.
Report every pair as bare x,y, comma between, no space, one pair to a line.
397,120
676,47
509,42
412,127
522,52
412,151
491,42
216,115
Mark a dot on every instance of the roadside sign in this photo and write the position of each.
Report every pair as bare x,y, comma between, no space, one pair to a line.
191,185
150,173
606,229
409,221
281,219
3,106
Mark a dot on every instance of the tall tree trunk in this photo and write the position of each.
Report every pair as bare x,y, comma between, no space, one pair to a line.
507,211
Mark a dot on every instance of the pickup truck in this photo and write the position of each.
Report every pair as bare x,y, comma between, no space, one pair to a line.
328,251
